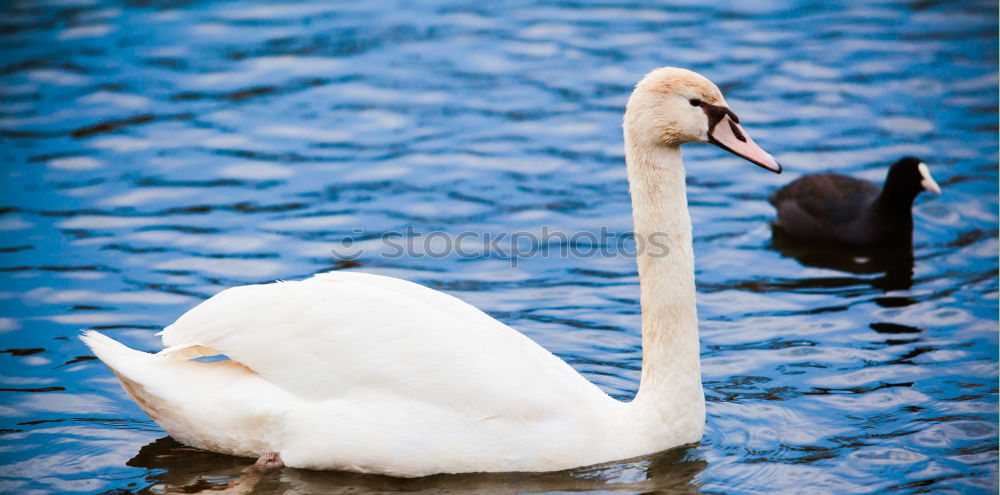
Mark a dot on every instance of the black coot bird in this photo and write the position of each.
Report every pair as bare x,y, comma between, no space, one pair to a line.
843,210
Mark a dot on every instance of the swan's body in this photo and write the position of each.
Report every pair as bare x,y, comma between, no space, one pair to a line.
429,384
374,374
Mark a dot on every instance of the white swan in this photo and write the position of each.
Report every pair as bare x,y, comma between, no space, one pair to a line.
374,374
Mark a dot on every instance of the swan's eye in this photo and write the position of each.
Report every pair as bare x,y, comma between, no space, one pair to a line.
695,102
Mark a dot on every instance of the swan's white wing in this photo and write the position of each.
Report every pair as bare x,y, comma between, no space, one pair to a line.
345,334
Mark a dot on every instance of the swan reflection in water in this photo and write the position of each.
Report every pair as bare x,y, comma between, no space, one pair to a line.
176,468
894,263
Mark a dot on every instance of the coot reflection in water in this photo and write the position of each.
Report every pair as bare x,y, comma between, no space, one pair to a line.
889,267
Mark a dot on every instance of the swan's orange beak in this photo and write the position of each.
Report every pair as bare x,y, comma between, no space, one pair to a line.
728,135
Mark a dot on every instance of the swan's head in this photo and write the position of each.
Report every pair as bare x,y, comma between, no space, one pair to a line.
672,106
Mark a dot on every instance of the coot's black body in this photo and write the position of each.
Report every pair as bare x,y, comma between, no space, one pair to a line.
843,210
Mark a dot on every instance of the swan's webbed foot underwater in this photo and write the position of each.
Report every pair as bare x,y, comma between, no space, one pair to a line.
268,462
251,475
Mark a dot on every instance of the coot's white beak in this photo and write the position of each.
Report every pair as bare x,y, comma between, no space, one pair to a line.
926,180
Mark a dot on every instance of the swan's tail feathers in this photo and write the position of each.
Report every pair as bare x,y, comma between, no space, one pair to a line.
147,379
113,353
140,373
197,403
132,367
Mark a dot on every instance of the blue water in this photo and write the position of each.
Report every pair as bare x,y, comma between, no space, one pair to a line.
155,153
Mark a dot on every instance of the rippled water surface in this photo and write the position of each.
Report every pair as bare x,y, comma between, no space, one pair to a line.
155,153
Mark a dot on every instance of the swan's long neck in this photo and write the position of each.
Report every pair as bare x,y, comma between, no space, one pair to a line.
670,390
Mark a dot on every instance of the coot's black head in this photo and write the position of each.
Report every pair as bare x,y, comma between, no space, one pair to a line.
906,179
